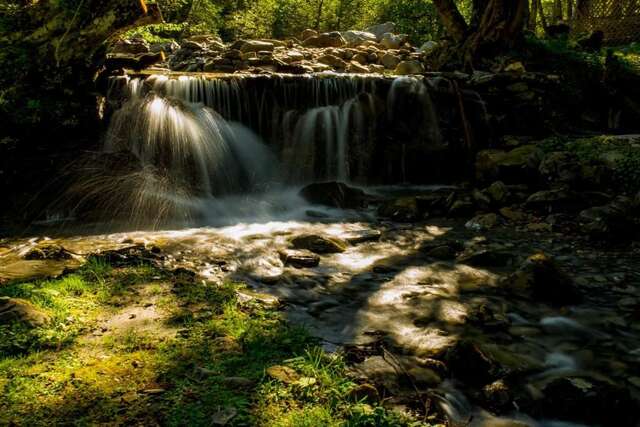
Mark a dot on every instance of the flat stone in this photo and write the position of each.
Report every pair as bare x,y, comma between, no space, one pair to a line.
301,258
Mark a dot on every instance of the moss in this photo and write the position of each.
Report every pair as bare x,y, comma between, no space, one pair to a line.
173,372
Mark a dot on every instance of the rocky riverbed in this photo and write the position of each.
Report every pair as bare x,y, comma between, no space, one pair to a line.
502,317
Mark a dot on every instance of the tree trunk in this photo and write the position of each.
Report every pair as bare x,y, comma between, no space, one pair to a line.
570,10
533,16
495,24
452,19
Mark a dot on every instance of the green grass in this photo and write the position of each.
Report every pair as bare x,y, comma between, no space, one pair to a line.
65,374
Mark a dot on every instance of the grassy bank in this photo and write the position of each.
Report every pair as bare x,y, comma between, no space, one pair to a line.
138,345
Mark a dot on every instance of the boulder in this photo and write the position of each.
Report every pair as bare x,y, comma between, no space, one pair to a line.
542,278
390,61
299,258
246,46
393,41
409,67
356,38
319,244
16,310
381,29
332,61
334,194
333,39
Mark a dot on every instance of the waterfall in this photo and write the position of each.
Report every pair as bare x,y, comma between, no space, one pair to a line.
199,138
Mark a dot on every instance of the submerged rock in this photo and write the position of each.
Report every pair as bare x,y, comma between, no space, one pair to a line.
334,194
319,244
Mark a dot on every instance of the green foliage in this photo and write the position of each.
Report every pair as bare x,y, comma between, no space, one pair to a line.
620,155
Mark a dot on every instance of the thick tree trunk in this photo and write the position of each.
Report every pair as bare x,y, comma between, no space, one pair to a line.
494,24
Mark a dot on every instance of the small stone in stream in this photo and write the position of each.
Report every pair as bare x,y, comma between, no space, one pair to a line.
319,244
16,310
444,252
365,392
334,194
513,215
482,222
299,258
541,276
48,252
284,374
362,236
487,258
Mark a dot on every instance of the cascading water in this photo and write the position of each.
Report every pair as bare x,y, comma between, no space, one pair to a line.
204,139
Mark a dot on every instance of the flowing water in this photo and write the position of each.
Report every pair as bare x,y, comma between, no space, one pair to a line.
218,163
